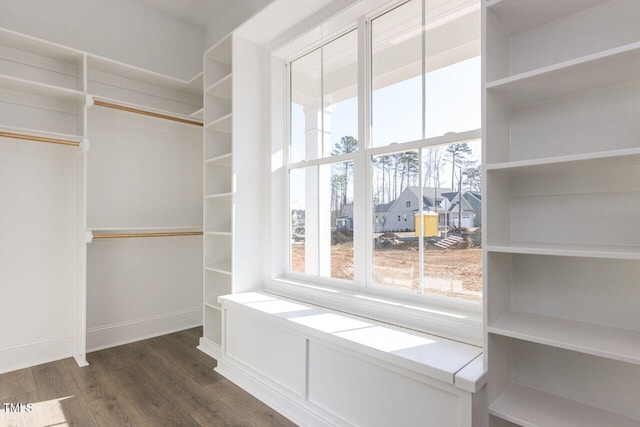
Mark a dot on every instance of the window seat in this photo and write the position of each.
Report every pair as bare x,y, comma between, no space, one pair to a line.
320,366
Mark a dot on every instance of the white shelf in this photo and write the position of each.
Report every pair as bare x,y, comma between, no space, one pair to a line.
218,233
221,88
598,340
198,114
517,16
221,51
222,124
529,407
613,158
196,84
140,74
223,160
613,66
38,46
42,89
143,229
572,250
224,269
218,195
37,132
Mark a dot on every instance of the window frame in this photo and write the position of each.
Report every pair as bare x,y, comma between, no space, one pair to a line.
406,308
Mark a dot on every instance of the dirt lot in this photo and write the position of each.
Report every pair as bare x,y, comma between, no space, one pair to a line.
451,272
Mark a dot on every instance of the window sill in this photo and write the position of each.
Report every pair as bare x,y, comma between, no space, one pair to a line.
457,321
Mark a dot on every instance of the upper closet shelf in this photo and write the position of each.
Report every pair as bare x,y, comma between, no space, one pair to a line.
602,69
572,250
529,407
40,47
600,159
42,89
193,86
517,16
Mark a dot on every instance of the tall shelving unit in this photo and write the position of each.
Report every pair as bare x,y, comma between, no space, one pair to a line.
218,189
561,102
233,162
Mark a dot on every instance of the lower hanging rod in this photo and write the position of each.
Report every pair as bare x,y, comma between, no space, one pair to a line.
39,139
144,112
135,235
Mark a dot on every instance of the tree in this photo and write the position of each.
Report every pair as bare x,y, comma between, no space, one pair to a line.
457,155
342,173
473,177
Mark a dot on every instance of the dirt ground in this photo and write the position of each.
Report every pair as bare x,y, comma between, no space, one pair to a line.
451,272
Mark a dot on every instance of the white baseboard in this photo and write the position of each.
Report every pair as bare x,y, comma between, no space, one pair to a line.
36,353
209,348
294,409
116,334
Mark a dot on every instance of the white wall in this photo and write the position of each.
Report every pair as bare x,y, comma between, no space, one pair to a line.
122,30
231,17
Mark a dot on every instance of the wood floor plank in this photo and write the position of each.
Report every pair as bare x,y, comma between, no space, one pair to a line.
188,394
104,396
197,365
148,395
56,386
219,413
253,410
113,358
195,332
16,382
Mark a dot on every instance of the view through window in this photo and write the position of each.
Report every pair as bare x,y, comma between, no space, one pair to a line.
421,193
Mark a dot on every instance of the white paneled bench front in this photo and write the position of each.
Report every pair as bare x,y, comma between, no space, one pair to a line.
322,367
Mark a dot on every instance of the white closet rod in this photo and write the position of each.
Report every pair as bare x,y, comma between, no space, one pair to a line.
39,139
136,235
144,112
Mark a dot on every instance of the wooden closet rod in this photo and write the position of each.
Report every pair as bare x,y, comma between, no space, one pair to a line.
144,112
132,235
39,139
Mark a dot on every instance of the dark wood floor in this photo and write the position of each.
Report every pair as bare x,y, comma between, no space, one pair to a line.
160,381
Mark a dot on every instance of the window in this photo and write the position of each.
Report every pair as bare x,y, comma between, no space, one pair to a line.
413,138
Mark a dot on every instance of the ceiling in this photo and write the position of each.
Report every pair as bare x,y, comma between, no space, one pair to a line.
199,13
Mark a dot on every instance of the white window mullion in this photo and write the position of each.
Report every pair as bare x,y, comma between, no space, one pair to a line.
362,204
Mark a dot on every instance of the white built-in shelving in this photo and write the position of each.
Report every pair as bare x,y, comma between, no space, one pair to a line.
218,189
562,244
232,82
42,87
101,172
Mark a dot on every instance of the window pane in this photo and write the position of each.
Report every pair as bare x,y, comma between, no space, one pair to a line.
396,62
452,222
321,206
452,80
306,105
396,201
336,257
299,180
340,94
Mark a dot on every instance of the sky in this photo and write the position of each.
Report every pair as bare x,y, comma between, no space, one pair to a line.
452,105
